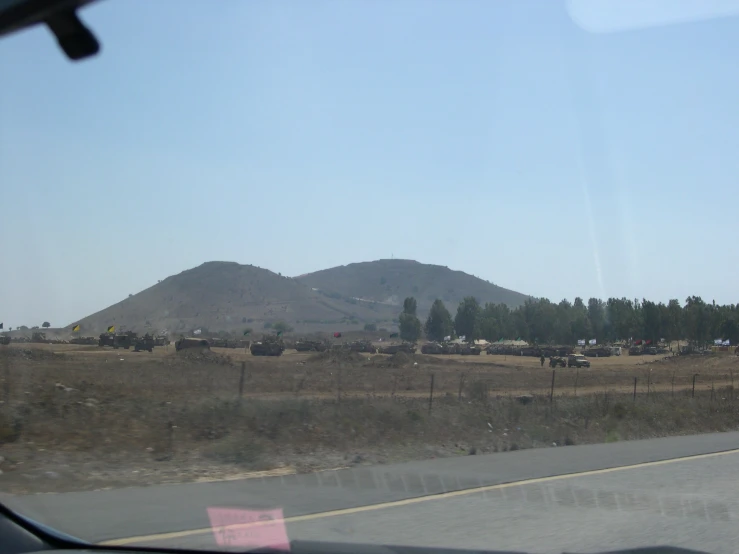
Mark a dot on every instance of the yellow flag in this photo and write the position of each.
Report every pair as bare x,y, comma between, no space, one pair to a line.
76,328
111,328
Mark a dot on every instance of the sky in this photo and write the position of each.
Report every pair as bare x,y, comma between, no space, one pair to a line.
557,149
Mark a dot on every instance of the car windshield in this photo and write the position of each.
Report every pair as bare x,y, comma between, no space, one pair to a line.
283,271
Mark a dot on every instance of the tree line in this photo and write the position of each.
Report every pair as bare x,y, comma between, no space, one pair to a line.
542,321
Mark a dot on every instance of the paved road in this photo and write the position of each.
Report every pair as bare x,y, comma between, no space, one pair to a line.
522,500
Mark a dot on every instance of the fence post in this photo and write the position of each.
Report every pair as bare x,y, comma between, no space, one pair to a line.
241,380
711,388
692,394
577,376
673,384
551,392
731,392
170,429
731,373
649,382
431,393
635,379
6,382
461,384
338,386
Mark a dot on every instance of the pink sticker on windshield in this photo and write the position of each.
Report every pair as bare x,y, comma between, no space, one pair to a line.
249,529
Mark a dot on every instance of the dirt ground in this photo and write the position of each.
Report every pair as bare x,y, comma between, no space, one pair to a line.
82,417
328,374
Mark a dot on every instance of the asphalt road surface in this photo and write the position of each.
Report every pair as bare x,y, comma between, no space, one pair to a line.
678,491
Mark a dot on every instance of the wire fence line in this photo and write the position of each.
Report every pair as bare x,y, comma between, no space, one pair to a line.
344,383
103,381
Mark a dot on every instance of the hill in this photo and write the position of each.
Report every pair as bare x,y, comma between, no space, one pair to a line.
226,296
388,282
229,297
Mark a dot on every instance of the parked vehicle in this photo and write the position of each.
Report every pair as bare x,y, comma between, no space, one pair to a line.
577,360
124,340
144,343
269,346
395,348
557,361
191,342
598,352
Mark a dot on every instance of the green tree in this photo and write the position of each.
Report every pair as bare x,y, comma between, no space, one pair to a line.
495,322
563,323
408,323
519,326
652,321
580,328
541,317
490,324
439,322
637,319
715,316
730,329
410,327
619,317
281,327
696,322
597,317
673,323
46,325
543,321
467,319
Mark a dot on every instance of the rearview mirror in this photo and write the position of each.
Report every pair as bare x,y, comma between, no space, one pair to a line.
613,16
60,16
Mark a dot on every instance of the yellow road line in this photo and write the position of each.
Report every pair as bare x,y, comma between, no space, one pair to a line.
146,539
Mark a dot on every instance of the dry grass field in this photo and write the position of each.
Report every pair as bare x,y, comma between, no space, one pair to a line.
81,417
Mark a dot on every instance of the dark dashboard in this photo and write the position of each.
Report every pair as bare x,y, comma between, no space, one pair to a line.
21,535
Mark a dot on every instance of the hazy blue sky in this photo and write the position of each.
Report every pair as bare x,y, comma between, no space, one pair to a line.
499,138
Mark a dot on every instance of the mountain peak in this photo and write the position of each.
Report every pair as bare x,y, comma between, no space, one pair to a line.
228,296
389,281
